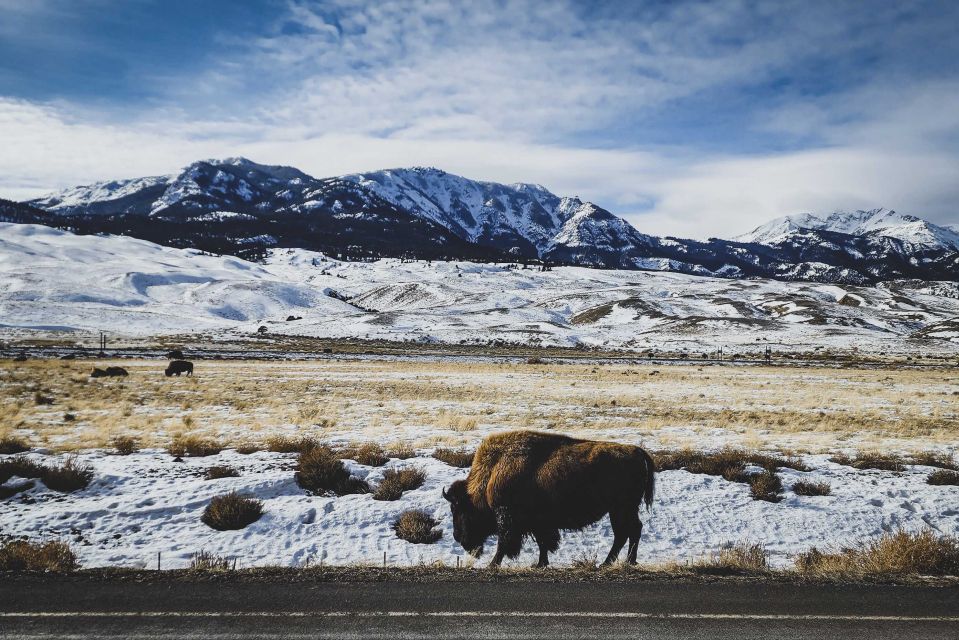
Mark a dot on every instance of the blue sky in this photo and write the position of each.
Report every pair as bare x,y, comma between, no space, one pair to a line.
688,118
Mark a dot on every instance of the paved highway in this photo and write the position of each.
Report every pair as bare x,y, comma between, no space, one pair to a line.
78,607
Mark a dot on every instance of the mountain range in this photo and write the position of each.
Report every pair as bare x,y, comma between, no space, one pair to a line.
236,206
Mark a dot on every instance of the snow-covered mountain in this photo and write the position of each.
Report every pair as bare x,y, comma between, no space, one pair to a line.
243,208
913,232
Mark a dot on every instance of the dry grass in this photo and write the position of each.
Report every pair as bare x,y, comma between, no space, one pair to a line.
871,460
67,477
417,526
943,477
370,454
21,555
21,467
816,410
803,488
900,553
10,444
221,471
194,446
320,470
935,459
7,491
739,557
766,486
290,444
401,451
396,481
455,457
126,445
231,511
207,561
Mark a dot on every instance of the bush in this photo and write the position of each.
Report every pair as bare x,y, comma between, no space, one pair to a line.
40,399
742,556
194,446
900,553
21,555
935,459
728,462
126,445
12,490
417,526
871,460
454,457
287,444
221,471
320,471
206,561
10,444
943,477
401,451
369,454
396,481
67,477
766,486
231,511
247,448
802,488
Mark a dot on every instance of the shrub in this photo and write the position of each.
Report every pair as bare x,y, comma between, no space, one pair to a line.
900,553
766,486
194,446
287,444
320,471
871,460
396,481
221,471
461,423
126,445
231,511
67,477
11,444
454,457
742,556
534,360
803,488
40,399
401,451
369,454
12,490
943,477
21,555
21,467
417,526
247,448
935,459
728,462
206,561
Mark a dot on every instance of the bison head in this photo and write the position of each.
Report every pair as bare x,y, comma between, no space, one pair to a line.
471,527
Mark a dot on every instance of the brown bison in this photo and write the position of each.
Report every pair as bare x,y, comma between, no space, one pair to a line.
108,372
179,366
524,483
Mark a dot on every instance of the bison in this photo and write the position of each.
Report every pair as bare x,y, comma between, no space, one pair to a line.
524,483
108,372
179,366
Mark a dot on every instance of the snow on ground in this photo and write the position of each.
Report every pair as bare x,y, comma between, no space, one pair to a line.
56,281
146,503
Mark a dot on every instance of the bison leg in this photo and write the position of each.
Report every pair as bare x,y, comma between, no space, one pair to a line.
548,541
620,522
509,539
635,532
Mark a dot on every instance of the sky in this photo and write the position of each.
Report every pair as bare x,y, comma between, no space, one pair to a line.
694,119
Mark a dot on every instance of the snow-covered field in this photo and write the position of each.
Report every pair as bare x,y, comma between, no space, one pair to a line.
146,503
56,283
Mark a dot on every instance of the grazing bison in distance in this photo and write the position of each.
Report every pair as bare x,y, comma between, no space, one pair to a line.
524,483
179,366
108,372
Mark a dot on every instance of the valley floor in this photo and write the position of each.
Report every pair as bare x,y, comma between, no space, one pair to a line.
146,503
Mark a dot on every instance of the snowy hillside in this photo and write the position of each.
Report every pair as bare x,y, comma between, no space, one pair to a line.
56,281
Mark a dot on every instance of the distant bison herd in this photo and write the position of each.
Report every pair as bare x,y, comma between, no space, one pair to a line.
175,368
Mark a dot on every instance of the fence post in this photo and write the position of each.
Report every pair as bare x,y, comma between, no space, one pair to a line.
158,560
384,559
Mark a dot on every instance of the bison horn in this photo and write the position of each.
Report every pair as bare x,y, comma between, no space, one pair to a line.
445,495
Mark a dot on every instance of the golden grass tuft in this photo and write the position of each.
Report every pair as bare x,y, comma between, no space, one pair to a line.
900,553
11,444
207,561
401,451
290,444
126,445
454,457
935,459
22,555
766,486
370,454
320,470
67,477
231,511
740,558
396,481
417,526
803,488
220,471
943,477
871,460
194,446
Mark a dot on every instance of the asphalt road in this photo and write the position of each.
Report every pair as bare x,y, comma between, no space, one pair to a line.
71,607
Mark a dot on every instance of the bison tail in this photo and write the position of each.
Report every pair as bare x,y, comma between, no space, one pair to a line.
650,486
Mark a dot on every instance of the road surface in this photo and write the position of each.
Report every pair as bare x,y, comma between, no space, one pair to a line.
79,607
